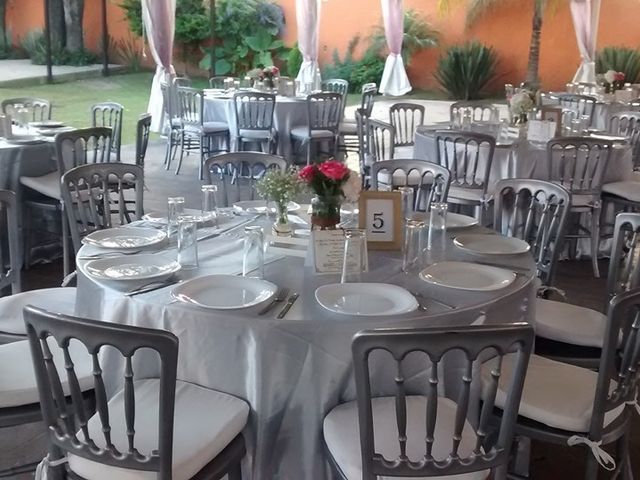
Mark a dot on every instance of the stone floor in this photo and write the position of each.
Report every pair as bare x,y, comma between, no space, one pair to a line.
23,72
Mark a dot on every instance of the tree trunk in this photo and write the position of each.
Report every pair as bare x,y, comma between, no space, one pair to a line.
533,79
3,24
57,25
73,14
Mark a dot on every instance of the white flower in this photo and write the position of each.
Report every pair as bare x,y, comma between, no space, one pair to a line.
521,102
352,187
610,76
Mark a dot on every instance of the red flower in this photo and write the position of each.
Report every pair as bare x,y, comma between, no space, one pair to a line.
307,173
620,77
334,170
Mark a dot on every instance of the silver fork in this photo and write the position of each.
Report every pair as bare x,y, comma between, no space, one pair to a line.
280,296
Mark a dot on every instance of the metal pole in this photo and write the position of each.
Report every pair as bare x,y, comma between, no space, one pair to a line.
212,8
105,40
47,41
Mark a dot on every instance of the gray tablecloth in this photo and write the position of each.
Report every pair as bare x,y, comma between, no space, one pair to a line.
291,371
24,160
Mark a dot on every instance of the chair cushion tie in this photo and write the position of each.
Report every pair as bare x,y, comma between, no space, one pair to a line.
605,460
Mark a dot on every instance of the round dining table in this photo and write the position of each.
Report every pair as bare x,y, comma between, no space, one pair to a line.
292,371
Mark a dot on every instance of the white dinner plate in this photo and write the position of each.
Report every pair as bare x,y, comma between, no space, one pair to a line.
607,137
491,244
224,292
366,299
26,140
260,206
52,132
47,124
467,276
125,238
133,267
454,220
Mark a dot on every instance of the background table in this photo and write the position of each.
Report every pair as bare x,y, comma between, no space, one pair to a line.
291,371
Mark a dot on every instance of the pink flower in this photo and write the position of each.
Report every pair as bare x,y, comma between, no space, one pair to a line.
307,173
620,77
334,170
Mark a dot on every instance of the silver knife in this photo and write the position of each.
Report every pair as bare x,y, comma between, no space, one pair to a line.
289,304
151,287
279,297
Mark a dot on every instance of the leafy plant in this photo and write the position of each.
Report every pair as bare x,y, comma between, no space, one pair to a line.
418,35
262,44
620,59
133,12
293,60
465,70
127,52
367,69
34,45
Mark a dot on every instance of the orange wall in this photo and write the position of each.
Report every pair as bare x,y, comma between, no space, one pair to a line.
508,30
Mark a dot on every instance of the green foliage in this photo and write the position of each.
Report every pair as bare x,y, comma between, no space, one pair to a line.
293,60
133,12
418,35
127,51
465,70
35,47
620,59
192,22
358,72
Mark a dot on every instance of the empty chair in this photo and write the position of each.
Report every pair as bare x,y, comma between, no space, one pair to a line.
39,108
254,120
579,164
380,141
174,123
109,114
429,181
480,111
349,127
235,173
578,104
468,157
143,128
409,435
323,120
337,85
150,427
405,117
101,196
568,405
207,135
214,82
181,82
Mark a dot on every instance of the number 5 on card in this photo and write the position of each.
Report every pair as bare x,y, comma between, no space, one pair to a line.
381,217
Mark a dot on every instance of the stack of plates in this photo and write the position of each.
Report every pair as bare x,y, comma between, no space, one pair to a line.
125,238
132,268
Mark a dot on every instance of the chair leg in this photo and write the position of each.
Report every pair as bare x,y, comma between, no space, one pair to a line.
592,467
201,156
181,153
309,152
65,244
595,240
235,472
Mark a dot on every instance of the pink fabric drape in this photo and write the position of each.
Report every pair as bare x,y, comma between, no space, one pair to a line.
159,24
586,16
394,77
308,21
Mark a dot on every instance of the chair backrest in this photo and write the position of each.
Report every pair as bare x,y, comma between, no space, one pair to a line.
627,124
579,104
405,117
143,127
169,101
337,85
430,182
181,82
624,265
471,342
67,422
190,106
324,111
468,157
10,268
39,108
537,212
481,111
109,114
254,110
368,98
214,82
235,173
82,146
380,145
578,163
100,196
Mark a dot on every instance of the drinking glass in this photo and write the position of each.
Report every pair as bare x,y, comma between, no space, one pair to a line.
467,116
585,123
412,248
220,198
22,116
246,83
348,215
188,241
406,194
437,235
253,254
175,208
355,259
208,202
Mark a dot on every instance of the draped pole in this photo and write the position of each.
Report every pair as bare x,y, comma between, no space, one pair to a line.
586,18
308,21
47,41
394,77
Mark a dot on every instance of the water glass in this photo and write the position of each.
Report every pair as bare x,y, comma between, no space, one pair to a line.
220,199
253,254
228,83
188,241
209,202
585,123
437,236
175,208
467,117
348,215
355,259
406,194
412,248
246,83
22,116
508,91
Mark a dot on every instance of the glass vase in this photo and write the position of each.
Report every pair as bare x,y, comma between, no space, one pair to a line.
281,226
325,211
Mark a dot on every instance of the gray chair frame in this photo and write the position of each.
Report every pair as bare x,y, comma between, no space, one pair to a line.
12,275
354,143
337,85
405,118
240,170
482,111
174,136
143,128
323,114
380,143
255,113
538,213
581,168
627,124
109,114
473,342
40,108
177,82
65,424
432,187
580,104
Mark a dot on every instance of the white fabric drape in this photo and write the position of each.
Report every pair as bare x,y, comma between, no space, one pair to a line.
159,24
586,17
394,77
308,20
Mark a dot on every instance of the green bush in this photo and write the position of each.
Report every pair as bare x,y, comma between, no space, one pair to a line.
358,72
35,47
620,59
465,70
293,60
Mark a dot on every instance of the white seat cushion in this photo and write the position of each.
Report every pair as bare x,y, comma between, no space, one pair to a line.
211,127
629,190
568,323
349,128
264,134
557,394
341,434
48,184
58,300
17,378
205,422
303,132
467,194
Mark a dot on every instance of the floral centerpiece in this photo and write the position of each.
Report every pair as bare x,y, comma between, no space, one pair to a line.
267,75
332,182
280,187
521,104
613,81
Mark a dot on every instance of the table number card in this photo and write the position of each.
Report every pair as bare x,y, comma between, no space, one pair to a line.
381,218
541,131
